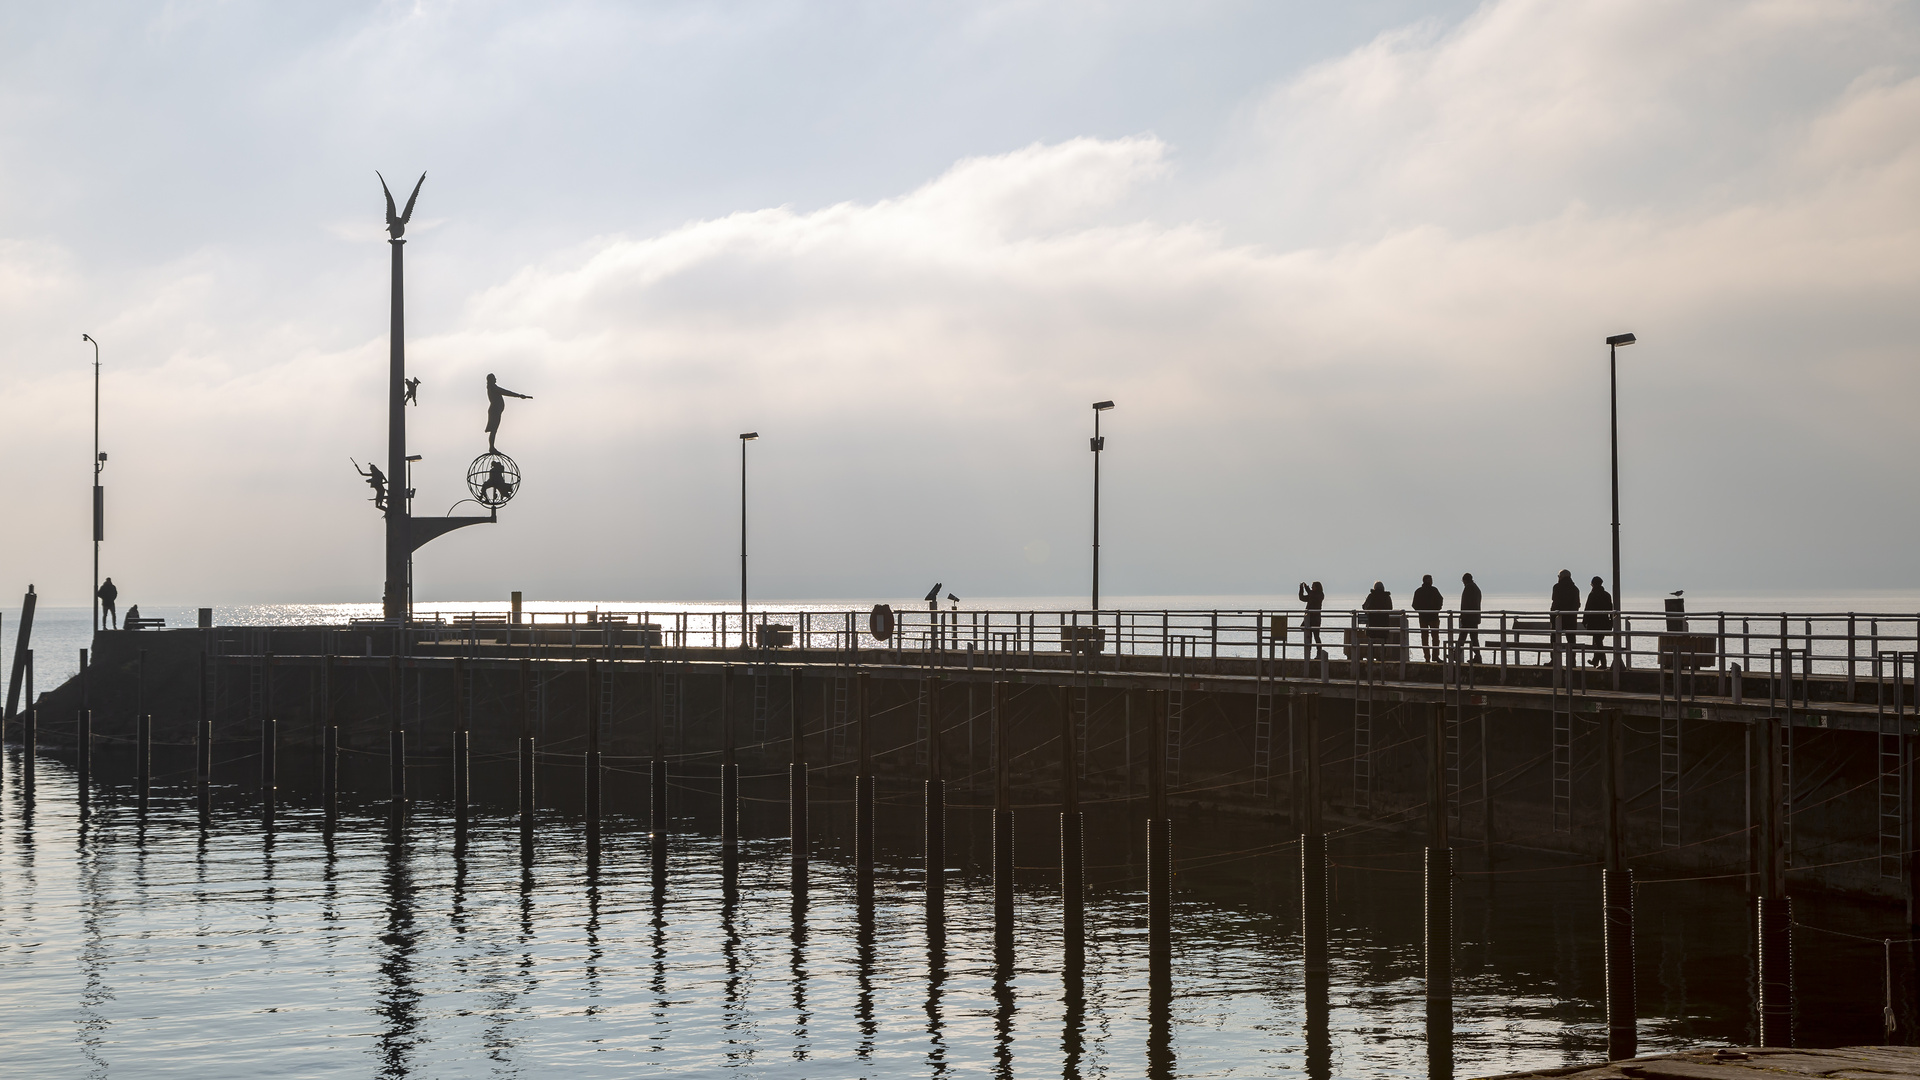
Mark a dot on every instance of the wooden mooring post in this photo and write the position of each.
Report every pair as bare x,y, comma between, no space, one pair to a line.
1159,842
1773,911
936,799
1073,852
797,779
1001,718
1616,895
863,791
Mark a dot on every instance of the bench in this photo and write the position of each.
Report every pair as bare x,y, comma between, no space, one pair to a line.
144,623
1688,651
1084,640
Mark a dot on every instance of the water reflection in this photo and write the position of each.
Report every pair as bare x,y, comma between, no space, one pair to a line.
399,997
443,959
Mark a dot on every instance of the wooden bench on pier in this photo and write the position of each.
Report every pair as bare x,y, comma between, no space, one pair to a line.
144,623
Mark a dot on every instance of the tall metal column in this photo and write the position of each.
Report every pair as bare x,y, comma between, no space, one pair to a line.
394,599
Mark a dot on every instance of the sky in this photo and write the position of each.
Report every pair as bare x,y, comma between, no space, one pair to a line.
1346,271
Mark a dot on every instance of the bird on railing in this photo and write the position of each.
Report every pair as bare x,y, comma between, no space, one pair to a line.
1676,592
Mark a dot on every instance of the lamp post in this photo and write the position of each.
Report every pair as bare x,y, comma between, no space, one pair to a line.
745,438
1613,407
1098,444
99,496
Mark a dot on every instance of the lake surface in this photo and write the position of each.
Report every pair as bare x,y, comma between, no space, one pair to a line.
171,946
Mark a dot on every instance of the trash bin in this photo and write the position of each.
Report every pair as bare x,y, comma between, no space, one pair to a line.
1676,604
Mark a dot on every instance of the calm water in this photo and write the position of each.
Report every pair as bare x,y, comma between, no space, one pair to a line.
163,947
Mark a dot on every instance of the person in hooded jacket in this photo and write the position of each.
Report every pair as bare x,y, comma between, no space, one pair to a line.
1428,602
1599,618
1565,610
1470,614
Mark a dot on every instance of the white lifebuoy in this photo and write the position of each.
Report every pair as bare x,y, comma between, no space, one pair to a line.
880,623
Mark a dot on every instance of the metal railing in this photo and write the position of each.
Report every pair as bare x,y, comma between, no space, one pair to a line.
1832,644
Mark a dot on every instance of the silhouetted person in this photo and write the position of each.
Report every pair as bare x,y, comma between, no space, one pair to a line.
1428,602
1599,618
1565,608
133,617
1470,614
108,594
1314,597
412,396
497,396
497,481
376,480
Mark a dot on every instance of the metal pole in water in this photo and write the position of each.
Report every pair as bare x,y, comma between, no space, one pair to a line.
1002,819
1437,882
203,745
1073,858
797,781
142,733
1159,842
729,771
83,730
658,785
269,742
1616,897
592,762
936,800
396,735
1773,912
526,759
462,748
863,792
1313,849
330,773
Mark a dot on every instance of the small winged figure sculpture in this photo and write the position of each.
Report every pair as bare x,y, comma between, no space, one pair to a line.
397,223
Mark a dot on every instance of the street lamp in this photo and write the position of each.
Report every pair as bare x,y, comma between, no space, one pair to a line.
99,496
1098,444
745,438
1613,405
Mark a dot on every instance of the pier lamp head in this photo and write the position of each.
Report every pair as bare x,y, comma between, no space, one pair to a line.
103,455
749,436
1618,340
413,457
1102,406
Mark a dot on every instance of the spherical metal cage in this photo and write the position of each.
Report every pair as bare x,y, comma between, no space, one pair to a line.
493,479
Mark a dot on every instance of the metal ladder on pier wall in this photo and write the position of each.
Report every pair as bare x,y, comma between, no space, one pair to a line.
1562,768
1262,728
1890,744
606,699
1362,669
1177,708
672,698
1673,710
760,706
840,717
1455,696
1780,702
1080,708
922,724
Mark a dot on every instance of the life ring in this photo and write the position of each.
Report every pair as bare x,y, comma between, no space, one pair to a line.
880,622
